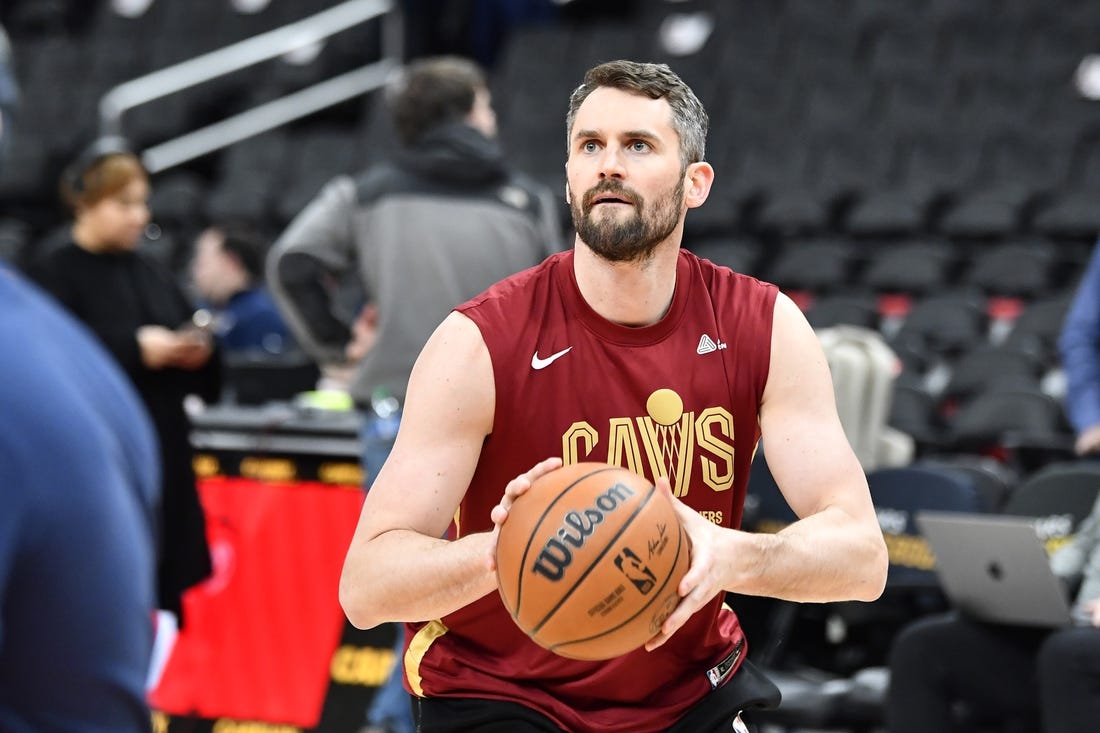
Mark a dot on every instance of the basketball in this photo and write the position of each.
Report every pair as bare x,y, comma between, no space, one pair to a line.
589,560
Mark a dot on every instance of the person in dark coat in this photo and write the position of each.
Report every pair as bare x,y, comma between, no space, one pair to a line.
140,313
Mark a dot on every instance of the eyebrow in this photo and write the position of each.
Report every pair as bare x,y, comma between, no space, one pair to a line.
629,134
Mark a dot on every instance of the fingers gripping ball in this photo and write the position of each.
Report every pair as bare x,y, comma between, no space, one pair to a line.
589,560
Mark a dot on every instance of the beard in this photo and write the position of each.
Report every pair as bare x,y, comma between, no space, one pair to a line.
630,239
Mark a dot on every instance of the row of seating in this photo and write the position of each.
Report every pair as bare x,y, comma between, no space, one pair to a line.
831,120
813,129
60,42
1025,268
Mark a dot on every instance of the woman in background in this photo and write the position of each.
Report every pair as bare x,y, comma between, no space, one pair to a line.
140,313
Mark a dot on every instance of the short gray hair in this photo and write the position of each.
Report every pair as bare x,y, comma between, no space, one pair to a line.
656,81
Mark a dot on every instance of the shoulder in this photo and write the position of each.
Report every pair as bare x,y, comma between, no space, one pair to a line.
726,285
53,258
258,299
256,307
339,192
456,341
525,194
377,181
712,270
37,364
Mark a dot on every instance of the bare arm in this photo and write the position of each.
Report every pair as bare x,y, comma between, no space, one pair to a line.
397,567
835,551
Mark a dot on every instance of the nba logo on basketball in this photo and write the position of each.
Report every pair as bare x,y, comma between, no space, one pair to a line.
638,574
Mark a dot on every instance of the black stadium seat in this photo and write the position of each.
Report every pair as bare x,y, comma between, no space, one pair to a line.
1022,423
1014,268
987,367
815,265
914,267
947,323
843,309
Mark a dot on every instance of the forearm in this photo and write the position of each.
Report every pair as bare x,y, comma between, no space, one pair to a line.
406,576
827,556
306,305
316,250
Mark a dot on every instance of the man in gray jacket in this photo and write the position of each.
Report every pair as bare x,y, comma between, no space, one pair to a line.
434,226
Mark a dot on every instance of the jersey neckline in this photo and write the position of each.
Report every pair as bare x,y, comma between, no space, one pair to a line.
566,280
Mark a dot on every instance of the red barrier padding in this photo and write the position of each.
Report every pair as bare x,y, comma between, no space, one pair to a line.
260,633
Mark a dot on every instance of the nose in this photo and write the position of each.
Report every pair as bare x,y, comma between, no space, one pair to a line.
612,163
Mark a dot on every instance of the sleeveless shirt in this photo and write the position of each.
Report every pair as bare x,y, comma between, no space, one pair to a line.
679,398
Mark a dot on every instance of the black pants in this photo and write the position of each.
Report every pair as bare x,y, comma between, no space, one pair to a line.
1069,680
948,673
747,690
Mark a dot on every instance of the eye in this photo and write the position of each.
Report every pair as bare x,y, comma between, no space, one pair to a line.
589,146
639,146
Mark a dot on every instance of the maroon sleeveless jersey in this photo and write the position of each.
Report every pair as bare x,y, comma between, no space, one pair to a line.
678,398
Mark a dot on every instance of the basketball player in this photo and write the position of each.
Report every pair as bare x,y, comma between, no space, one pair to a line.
628,350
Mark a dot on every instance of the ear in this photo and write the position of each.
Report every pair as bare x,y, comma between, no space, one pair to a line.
698,179
568,198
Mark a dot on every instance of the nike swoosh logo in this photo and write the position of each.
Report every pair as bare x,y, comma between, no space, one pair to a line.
537,363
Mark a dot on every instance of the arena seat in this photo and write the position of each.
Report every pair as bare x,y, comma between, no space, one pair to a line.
1039,325
915,267
818,265
915,411
988,366
1061,488
1020,424
947,323
843,308
1014,268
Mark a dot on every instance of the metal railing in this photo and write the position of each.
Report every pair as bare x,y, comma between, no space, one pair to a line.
206,67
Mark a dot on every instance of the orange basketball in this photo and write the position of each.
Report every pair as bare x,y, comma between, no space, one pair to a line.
589,560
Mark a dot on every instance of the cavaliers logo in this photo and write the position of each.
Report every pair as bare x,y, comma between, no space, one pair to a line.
665,441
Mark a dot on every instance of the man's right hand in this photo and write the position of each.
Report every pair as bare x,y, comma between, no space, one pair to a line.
364,332
162,347
516,488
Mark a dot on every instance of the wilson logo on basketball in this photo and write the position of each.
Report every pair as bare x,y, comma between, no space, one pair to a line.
576,527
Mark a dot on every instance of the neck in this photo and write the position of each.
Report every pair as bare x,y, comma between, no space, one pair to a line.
234,286
86,239
628,293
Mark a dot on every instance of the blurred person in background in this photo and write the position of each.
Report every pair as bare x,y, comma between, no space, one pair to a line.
1079,347
950,673
227,271
79,490
435,225
139,312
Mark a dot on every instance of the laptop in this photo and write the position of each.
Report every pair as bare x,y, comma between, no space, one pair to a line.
995,568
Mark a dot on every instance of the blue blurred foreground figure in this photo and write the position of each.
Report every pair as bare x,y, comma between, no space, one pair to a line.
79,478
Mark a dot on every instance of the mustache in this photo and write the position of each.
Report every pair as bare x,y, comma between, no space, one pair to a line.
613,187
